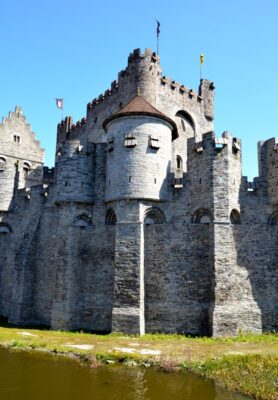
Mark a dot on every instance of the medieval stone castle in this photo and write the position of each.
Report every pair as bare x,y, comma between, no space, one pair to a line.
145,224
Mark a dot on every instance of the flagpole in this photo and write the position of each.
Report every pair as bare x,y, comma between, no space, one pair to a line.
60,105
202,59
157,46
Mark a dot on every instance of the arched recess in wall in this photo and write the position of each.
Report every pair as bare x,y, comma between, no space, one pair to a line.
273,218
111,217
202,216
185,123
153,216
26,169
82,220
179,162
2,164
235,217
5,228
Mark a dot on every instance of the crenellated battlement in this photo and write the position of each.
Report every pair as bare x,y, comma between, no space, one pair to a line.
137,55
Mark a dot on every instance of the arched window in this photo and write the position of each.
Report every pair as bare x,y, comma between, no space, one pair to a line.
202,216
273,218
2,164
111,218
26,170
235,217
185,120
82,220
179,162
5,228
154,215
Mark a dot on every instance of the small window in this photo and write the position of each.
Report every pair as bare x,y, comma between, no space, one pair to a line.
154,216
273,219
26,170
235,217
82,220
5,228
110,145
183,125
179,162
16,139
111,218
130,140
154,142
2,164
202,216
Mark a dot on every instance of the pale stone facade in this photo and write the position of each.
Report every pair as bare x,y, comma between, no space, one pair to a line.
145,224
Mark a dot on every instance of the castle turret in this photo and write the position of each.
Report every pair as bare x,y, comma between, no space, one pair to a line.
268,169
138,165
139,152
74,172
143,72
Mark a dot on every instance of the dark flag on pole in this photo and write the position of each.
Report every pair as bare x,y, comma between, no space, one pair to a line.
157,28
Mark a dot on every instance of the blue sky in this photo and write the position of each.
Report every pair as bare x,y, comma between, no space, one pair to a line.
74,49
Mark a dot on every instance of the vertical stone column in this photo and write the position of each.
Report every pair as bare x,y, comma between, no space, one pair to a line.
128,308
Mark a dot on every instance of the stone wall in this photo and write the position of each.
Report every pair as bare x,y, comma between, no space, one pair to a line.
178,278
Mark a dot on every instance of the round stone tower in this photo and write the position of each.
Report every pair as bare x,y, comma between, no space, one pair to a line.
74,173
139,152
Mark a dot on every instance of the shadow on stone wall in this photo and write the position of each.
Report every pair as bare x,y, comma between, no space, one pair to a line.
257,286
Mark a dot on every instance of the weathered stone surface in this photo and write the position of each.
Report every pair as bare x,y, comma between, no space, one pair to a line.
135,229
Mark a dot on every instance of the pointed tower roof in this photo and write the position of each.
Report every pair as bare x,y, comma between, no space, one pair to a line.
139,106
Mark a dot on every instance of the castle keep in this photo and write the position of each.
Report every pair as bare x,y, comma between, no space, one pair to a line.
145,224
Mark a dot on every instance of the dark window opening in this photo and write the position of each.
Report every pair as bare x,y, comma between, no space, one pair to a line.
111,218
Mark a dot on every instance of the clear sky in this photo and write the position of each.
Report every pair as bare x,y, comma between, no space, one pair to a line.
74,49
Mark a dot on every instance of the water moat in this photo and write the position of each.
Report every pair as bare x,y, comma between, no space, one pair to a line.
35,376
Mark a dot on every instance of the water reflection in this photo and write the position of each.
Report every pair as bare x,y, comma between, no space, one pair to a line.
43,377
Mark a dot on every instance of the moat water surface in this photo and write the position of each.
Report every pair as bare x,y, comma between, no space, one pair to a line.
25,376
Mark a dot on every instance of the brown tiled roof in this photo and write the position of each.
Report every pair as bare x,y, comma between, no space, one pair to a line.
139,106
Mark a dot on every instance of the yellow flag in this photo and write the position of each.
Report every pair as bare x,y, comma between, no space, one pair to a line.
202,58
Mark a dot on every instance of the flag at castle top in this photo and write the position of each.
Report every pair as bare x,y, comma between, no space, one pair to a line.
60,103
202,58
158,28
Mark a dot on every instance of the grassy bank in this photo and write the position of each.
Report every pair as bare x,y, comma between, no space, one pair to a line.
247,363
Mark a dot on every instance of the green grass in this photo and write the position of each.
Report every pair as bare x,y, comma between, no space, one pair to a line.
246,363
253,374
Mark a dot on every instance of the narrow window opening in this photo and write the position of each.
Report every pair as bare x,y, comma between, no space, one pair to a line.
111,218
179,162
154,142
26,170
2,164
110,146
235,217
183,125
130,140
